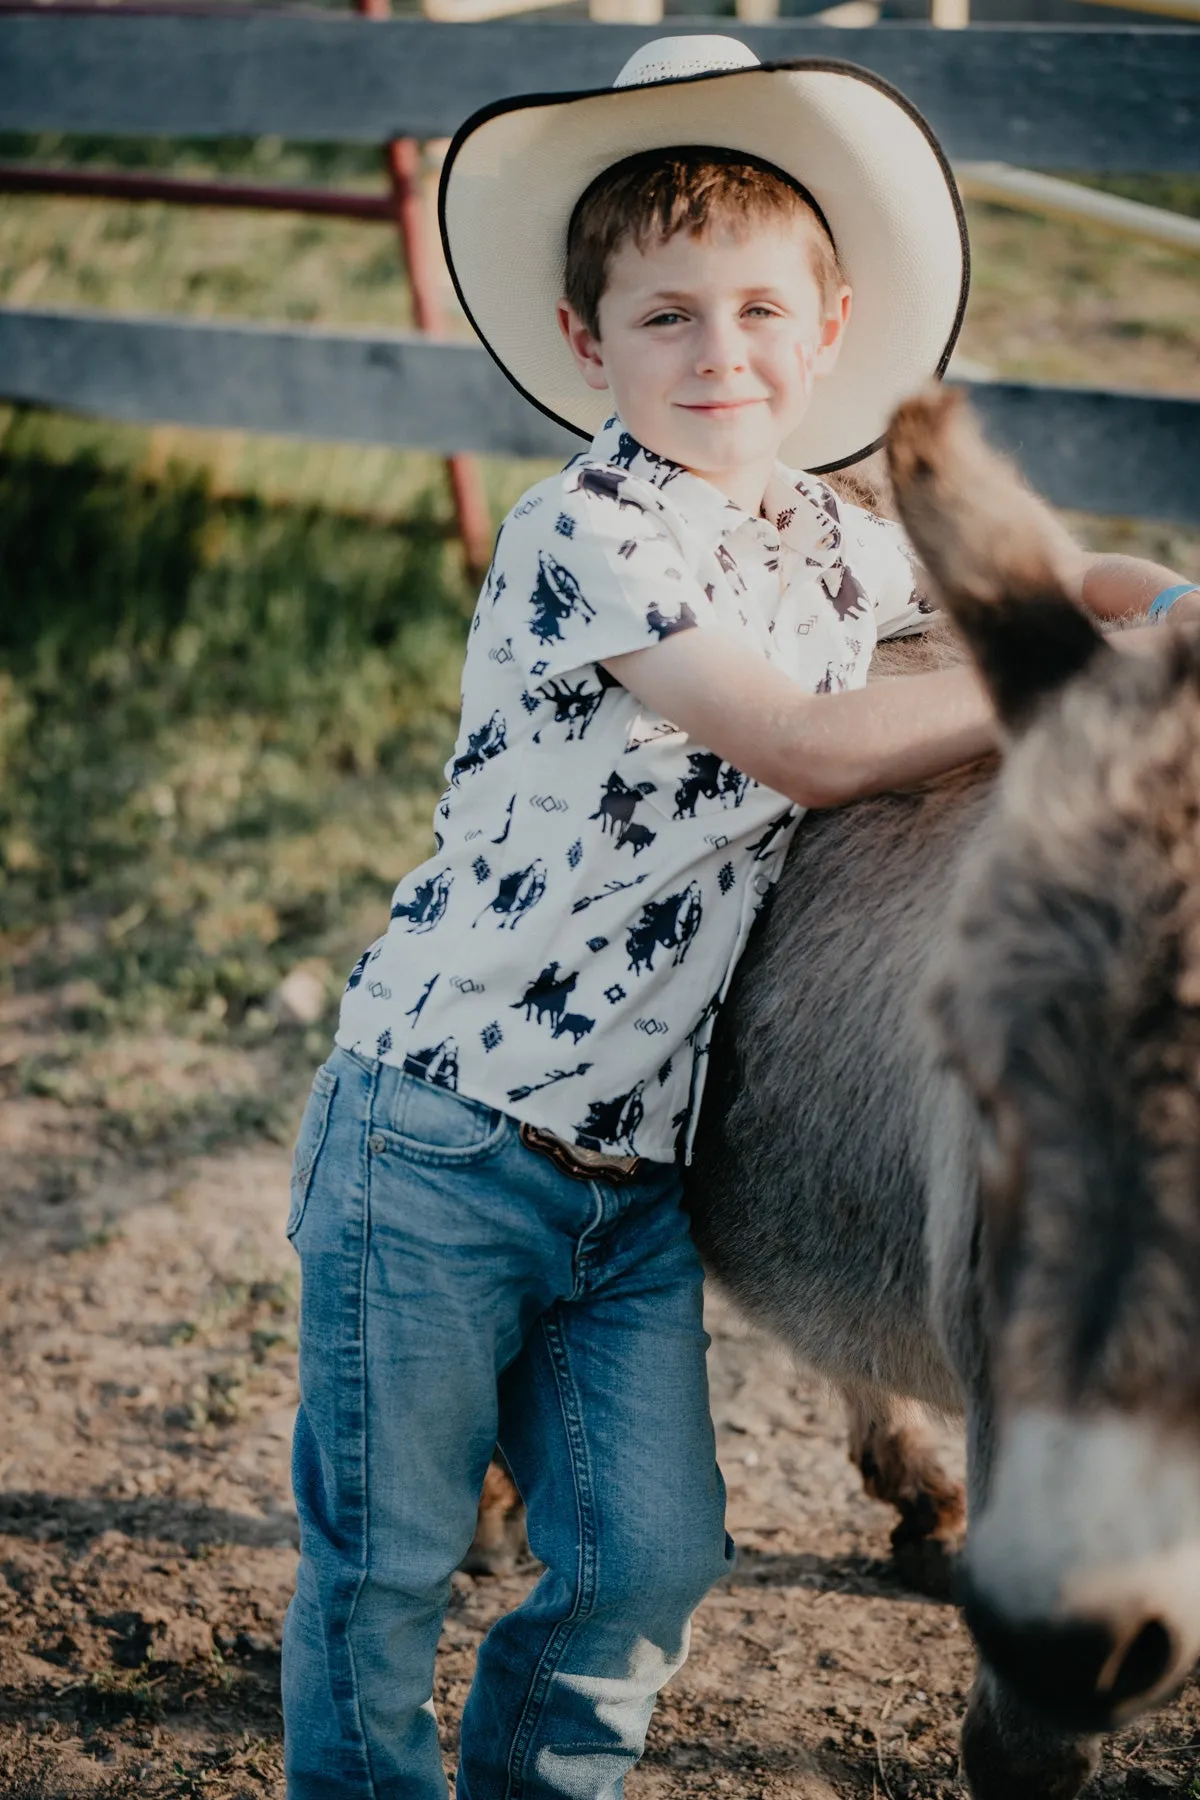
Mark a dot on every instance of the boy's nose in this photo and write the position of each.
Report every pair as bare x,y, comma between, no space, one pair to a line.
721,351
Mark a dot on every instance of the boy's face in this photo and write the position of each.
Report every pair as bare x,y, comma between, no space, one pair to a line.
710,347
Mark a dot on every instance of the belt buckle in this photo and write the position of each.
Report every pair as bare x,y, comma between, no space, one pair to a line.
576,1162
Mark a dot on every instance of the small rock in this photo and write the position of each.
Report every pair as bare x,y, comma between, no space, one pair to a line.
179,1638
736,1416
111,1543
301,997
61,1651
279,1425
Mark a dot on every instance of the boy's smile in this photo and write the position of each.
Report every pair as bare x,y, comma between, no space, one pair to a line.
710,346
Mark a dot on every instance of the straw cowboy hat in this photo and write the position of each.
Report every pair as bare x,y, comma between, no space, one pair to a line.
516,169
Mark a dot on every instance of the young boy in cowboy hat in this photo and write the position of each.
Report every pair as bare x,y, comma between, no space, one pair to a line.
666,666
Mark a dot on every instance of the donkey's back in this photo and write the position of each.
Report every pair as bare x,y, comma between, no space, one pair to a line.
808,1186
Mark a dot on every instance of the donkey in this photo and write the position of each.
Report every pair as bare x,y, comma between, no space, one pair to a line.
950,1145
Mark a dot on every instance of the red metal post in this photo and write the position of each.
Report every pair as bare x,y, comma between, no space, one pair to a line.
174,190
402,159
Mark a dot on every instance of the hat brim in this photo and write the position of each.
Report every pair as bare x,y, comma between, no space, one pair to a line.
516,168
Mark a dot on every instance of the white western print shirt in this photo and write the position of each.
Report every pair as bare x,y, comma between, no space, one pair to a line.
562,955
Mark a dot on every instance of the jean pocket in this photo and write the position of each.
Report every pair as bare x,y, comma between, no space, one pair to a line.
432,1124
313,1127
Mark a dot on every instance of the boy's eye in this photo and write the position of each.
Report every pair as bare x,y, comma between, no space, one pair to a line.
668,317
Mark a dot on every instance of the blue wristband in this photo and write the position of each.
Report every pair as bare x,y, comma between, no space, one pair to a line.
1162,603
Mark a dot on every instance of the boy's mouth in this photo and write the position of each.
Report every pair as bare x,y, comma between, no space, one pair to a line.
714,408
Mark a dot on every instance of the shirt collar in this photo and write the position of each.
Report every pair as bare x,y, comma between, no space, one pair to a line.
805,514
799,506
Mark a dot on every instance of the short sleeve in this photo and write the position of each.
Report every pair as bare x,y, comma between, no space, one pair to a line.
887,566
589,566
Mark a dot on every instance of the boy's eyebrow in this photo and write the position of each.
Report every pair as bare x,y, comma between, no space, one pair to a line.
681,295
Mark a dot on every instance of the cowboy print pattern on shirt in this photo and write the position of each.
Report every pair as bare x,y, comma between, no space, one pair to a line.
563,954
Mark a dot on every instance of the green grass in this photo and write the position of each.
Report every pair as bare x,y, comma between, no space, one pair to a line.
221,727
111,1695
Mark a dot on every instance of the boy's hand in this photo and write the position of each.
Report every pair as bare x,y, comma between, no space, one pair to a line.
1186,610
817,749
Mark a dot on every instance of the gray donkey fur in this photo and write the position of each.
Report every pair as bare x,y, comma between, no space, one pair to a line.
809,1187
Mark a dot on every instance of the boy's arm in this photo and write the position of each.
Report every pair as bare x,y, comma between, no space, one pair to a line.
1122,587
818,749
826,749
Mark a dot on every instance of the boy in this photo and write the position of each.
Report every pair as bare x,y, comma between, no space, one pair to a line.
665,668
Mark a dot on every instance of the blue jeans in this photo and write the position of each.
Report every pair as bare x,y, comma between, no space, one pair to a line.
458,1289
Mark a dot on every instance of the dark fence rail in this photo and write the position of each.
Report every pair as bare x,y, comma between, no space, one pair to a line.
1104,452
372,388
1067,98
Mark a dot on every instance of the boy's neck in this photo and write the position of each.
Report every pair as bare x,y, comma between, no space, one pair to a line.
745,485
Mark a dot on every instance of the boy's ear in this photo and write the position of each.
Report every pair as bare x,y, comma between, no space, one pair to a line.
583,344
832,332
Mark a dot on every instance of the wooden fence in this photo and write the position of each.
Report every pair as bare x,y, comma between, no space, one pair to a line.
1071,98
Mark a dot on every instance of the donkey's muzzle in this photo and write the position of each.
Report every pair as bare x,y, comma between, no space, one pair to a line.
1081,1575
1080,1675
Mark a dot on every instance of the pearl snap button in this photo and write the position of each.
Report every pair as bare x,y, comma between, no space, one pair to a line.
376,1143
761,884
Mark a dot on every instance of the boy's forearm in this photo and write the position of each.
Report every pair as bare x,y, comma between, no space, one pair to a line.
819,749
893,734
1122,587
893,743
824,750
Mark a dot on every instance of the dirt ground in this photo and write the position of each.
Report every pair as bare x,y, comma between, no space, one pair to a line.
147,1538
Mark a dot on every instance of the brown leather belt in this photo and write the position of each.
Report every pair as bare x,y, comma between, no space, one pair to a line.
578,1162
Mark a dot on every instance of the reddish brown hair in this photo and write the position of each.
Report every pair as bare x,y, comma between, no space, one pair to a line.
658,193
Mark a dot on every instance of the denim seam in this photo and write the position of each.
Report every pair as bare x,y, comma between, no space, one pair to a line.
581,1476
325,1083
369,1109
599,1201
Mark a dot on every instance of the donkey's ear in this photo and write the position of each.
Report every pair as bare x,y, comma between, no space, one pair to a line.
1001,562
